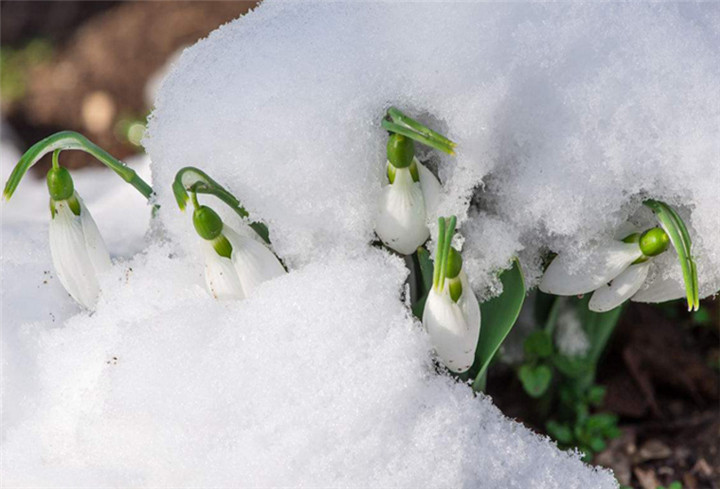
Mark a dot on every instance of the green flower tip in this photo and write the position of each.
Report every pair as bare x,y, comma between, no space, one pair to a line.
207,222
654,242
60,183
400,151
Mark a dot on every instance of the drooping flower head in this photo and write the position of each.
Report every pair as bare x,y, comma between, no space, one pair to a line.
615,272
78,250
410,197
452,312
235,263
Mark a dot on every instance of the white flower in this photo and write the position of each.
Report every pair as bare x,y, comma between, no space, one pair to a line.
454,327
78,251
250,264
614,272
405,206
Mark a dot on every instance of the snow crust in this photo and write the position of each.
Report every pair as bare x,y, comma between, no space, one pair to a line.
567,116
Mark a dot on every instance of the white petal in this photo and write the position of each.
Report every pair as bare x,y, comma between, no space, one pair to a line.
70,256
661,289
454,328
620,289
220,275
602,264
431,190
97,251
254,262
401,222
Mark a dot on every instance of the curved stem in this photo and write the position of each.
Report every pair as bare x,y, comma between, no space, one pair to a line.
197,181
56,159
70,140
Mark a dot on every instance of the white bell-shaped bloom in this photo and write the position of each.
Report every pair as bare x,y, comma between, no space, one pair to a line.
614,272
662,289
454,327
78,252
620,289
221,278
603,263
253,261
405,206
250,264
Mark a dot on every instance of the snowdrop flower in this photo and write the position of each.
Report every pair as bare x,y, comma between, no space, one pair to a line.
77,248
615,273
412,192
234,264
452,312
407,200
78,251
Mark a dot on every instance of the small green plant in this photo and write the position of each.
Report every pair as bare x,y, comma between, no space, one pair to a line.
563,379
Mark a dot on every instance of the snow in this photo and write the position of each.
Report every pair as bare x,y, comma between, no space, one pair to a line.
567,116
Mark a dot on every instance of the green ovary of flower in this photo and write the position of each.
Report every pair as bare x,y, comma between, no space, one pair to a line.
654,242
207,223
400,151
60,184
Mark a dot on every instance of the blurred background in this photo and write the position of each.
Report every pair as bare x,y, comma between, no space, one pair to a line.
95,67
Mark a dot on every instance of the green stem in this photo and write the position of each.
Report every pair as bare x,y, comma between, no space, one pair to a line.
56,159
197,181
70,140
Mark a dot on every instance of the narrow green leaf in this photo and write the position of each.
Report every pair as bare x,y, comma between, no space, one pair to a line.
498,315
399,117
426,268
680,238
70,140
433,143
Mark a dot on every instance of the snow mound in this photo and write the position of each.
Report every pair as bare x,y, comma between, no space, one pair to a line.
567,117
319,379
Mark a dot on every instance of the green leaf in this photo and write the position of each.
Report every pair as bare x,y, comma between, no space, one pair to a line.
560,432
680,238
402,124
426,268
498,315
70,140
535,380
538,344
596,395
572,367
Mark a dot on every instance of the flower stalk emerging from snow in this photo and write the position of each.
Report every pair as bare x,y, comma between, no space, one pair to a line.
452,312
412,191
235,264
617,271
78,251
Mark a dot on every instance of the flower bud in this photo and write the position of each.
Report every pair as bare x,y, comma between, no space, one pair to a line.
207,223
60,183
654,241
400,150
